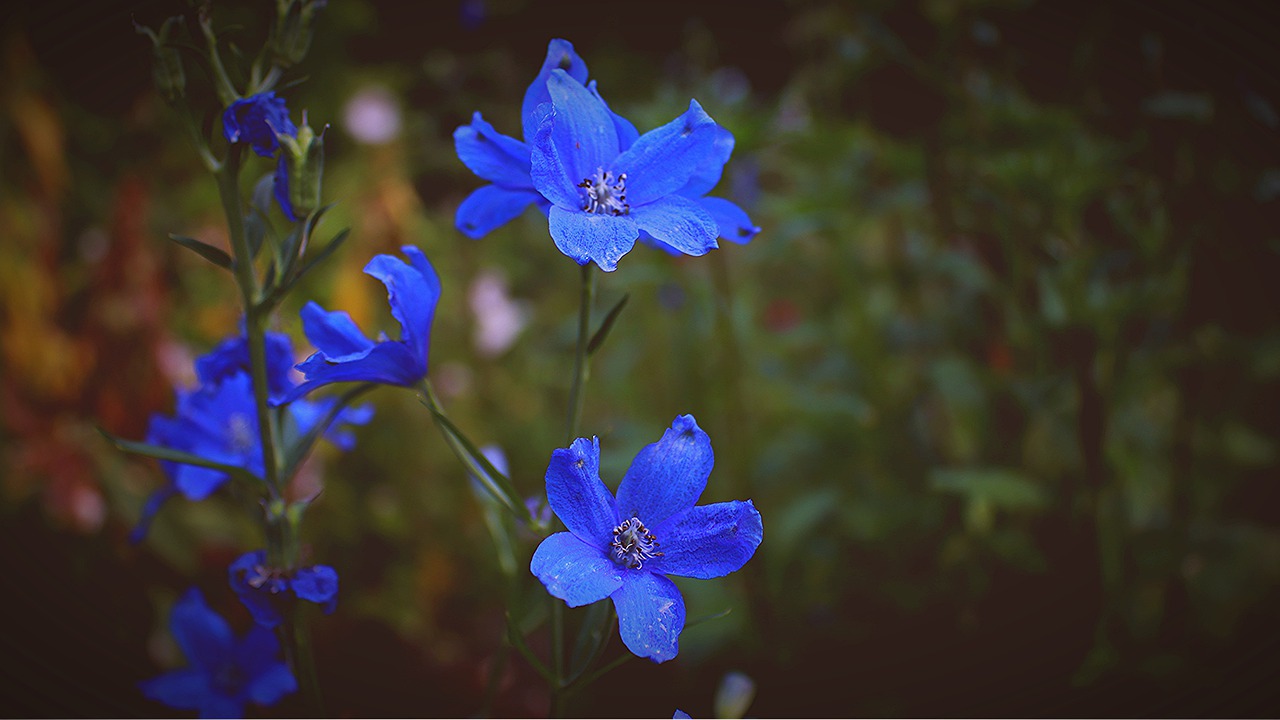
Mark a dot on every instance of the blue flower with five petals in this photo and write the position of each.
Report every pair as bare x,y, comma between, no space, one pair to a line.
625,547
224,674
504,161
344,354
257,120
602,195
268,592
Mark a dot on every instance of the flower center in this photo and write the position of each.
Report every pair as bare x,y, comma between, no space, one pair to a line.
273,579
633,544
605,194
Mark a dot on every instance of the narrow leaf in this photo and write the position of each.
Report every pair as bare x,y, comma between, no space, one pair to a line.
164,453
208,252
592,637
298,451
607,325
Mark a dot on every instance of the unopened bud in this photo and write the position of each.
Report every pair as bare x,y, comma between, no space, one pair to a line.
295,25
300,171
166,67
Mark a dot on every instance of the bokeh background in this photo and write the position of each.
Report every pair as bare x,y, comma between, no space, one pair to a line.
1002,371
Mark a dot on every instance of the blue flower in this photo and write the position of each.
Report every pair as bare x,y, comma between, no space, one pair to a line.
268,592
680,715
625,548
219,421
344,354
504,161
732,221
223,673
603,196
257,120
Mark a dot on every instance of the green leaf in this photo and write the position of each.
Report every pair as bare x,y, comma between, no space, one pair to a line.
208,252
164,453
1000,487
298,451
607,325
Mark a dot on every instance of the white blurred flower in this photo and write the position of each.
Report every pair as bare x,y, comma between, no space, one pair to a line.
499,319
372,116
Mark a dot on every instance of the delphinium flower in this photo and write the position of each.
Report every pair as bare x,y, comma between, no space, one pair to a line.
257,120
602,195
218,421
503,160
344,354
624,548
268,592
223,674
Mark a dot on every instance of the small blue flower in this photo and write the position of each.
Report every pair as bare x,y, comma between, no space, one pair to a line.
231,357
257,120
224,674
625,548
603,196
680,715
344,354
504,161
268,592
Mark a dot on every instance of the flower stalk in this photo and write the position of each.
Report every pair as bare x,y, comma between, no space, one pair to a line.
581,366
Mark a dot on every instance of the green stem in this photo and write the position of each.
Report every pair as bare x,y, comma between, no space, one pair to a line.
497,484
581,368
297,644
255,322
557,657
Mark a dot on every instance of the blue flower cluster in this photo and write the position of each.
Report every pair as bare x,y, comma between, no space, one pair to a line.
218,420
224,673
624,547
601,184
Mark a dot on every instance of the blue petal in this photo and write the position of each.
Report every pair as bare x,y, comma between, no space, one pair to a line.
389,363
574,571
334,334
265,601
732,220
272,685
680,715
197,483
709,541
205,638
492,155
257,651
490,207
627,133
155,501
668,476
412,291
663,159
709,172
650,615
185,689
561,56
221,706
550,171
318,584
231,358
577,495
582,129
588,237
280,188
679,223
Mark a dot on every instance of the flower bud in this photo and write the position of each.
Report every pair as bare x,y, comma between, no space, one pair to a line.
291,36
300,171
166,68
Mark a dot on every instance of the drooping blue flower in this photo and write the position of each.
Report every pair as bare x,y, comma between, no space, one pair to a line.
223,674
268,592
625,547
344,354
504,161
218,421
257,120
731,220
603,196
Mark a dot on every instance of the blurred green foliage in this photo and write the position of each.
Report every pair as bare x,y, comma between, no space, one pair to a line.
1001,372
